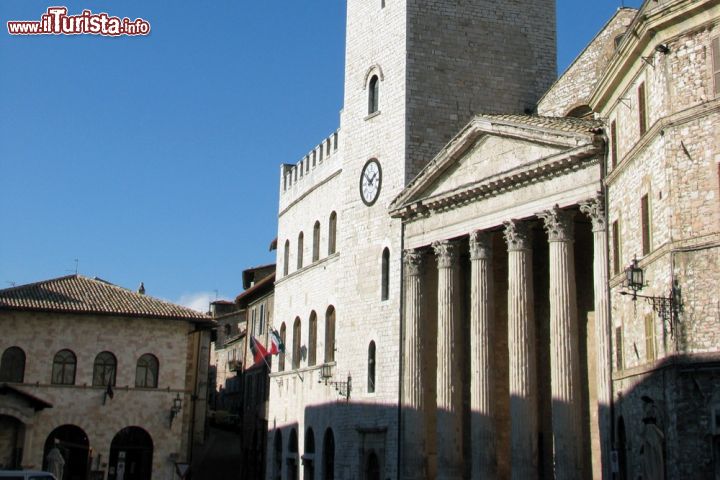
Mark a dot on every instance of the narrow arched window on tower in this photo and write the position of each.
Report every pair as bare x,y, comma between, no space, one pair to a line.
286,259
316,242
371,367
374,94
296,344
301,238
312,339
332,233
283,335
385,287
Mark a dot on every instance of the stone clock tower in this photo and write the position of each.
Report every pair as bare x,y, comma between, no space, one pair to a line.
416,72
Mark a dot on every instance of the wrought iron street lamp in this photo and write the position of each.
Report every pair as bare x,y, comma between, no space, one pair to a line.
668,308
175,409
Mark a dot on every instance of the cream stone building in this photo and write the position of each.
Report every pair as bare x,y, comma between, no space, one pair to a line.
414,75
118,378
511,344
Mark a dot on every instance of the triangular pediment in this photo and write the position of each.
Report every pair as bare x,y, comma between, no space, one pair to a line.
490,156
499,148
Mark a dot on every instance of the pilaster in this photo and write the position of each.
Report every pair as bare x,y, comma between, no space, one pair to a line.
449,383
564,348
521,350
413,443
484,460
595,209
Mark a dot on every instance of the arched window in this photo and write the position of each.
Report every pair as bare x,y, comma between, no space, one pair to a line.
12,365
296,344
332,232
277,473
283,336
104,369
330,334
146,373
292,461
312,339
373,94
316,242
329,455
286,260
309,455
63,372
385,281
301,237
371,367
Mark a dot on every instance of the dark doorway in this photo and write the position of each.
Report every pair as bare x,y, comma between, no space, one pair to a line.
372,467
329,455
74,446
131,453
622,452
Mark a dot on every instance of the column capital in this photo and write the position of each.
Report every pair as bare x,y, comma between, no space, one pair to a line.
446,252
517,235
558,224
414,261
595,209
480,245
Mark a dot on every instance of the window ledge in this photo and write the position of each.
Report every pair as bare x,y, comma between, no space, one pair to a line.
372,115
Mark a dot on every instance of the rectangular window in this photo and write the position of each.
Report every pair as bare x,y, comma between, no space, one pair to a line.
261,328
613,145
618,348
642,110
616,247
650,337
716,64
253,326
645,222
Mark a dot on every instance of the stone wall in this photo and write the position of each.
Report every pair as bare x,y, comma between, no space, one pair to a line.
576,84
42,335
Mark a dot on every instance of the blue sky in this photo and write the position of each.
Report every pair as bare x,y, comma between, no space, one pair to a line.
156,158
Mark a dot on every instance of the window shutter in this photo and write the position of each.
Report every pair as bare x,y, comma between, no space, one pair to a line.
716,64
642,109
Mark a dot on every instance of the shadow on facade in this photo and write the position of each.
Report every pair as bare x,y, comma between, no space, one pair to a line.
667,420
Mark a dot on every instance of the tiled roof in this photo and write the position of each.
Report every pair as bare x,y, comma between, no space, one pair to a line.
246,296
79,294
567,124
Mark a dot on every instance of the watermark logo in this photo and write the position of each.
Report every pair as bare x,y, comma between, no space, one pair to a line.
56,21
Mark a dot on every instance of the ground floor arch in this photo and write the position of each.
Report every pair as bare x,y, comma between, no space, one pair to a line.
12,432
74,446
131,455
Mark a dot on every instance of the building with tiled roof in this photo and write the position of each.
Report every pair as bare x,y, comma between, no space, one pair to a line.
115,378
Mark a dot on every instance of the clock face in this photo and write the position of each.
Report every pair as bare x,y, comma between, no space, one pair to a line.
370,181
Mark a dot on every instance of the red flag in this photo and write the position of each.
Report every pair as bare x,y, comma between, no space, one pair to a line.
258,350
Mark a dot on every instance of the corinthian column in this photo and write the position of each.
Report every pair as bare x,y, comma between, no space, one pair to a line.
564,353
521,349
413,403
449,387
595,209
484,460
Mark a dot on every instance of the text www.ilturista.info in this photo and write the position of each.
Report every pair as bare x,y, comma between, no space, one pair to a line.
57,22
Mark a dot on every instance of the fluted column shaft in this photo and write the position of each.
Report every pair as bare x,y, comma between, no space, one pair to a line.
521,350
449,387
564,346
413,399
595,209
484,460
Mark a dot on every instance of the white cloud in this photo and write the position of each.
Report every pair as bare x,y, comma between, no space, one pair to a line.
199,301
